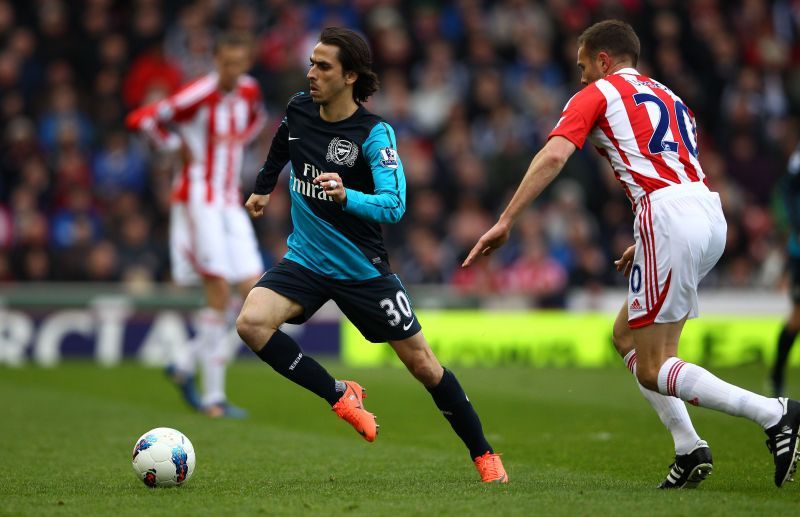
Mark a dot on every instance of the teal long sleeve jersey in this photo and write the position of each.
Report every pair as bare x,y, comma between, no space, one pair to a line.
337,241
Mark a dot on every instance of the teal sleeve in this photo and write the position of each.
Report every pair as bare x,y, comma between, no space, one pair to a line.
388,202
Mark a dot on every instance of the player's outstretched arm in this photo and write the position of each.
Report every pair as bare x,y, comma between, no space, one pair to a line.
153,120
145,120
256,203
544,167
489,241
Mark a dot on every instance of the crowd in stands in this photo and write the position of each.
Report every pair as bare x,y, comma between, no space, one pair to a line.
472,89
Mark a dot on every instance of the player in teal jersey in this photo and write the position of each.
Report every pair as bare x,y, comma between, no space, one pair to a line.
346,180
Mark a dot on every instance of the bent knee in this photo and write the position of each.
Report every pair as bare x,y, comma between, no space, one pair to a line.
622,337
622,341
251,328
647,377
244,324
426,372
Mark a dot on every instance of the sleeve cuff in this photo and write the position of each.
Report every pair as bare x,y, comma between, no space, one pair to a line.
575,141
352,201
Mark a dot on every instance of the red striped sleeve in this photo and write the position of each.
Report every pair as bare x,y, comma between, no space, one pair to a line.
184,104
580,115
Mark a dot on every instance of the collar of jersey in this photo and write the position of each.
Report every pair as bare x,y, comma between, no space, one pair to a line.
356,112
631,71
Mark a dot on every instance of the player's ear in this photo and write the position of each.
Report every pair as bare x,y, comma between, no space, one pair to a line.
350,77
604,60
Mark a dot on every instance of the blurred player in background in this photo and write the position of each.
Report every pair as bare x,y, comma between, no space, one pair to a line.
649,137
212,241
791,198
346,180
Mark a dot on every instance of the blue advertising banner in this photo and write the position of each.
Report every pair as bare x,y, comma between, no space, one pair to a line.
111,328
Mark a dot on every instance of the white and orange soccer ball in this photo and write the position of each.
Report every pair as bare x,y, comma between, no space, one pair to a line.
163,457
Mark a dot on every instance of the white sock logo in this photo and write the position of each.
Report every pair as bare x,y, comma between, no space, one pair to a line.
299,356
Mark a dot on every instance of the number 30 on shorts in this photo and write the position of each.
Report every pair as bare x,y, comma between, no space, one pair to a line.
391,308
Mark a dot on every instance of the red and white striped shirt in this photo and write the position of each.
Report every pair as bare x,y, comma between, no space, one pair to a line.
215,125
644,130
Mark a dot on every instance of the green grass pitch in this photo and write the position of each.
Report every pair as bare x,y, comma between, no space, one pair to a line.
574,442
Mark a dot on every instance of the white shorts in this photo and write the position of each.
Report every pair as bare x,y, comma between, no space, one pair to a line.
680,234
212,241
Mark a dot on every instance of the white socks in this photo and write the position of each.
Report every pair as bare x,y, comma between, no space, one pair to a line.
185,358
211,336
699,387
671,411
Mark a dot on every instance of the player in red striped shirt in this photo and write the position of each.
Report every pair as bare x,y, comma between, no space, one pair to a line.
648,135
212,241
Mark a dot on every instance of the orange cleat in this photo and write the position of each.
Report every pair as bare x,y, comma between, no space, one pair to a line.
490,467
350,408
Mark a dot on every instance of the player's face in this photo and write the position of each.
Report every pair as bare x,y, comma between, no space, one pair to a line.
231,61
591,69
326,79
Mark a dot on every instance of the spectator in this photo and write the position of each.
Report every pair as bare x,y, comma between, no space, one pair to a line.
118,167
470,86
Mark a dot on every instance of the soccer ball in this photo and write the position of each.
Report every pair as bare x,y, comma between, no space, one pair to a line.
163,457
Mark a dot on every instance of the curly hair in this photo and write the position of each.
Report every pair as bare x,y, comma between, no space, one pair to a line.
355,56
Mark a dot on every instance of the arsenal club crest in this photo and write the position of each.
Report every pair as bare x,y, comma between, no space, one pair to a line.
342,152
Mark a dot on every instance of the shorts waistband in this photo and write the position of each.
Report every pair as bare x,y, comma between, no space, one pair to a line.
682,189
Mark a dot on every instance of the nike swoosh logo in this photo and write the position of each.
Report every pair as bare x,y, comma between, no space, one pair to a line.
354,396
406,327
294,138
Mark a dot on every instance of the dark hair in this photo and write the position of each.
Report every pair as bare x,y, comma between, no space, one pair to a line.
354,55
233,39
613,36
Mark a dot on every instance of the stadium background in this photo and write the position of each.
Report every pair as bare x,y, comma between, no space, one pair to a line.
471,87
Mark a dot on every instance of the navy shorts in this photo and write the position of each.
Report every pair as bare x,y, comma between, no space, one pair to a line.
379,307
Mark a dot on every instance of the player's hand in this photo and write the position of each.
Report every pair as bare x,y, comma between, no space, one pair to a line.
331,184
490,241
625,262
255,204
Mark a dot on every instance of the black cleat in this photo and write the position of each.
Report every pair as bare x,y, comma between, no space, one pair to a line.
782,441
689,470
